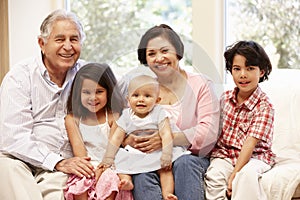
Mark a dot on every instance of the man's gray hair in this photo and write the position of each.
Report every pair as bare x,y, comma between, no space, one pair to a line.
60,14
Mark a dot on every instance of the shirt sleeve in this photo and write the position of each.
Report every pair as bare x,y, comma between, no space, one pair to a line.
16,122
161,113
123,120
202,115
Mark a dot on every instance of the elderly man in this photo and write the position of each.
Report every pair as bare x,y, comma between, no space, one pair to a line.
35,154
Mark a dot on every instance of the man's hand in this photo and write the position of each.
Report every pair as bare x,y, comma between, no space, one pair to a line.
80,166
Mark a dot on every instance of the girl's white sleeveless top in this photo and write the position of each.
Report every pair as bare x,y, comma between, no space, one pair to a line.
95,139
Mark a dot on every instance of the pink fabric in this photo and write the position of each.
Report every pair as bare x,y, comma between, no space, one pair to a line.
199,114
107,183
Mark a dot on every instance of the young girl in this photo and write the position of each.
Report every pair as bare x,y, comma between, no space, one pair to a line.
243,150
93,104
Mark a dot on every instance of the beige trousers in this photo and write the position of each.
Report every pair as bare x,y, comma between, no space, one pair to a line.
20,181
245,186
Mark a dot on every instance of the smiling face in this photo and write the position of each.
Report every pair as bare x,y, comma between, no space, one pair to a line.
245,77
93,96
143,94
143,99
161,57
62,48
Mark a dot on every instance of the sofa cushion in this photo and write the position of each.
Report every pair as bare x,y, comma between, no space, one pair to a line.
283,88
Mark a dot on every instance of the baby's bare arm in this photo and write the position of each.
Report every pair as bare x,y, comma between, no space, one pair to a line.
167,143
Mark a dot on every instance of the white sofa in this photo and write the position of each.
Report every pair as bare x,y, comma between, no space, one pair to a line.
282,182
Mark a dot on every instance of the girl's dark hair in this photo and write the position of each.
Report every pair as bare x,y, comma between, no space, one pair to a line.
164,31
255,56
103,75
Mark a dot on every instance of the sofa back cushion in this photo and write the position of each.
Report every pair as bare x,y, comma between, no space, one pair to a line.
283,88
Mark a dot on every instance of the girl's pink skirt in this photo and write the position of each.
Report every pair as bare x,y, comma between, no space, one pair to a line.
107,183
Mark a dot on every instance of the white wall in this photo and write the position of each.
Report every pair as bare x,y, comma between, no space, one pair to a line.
25,18
208,36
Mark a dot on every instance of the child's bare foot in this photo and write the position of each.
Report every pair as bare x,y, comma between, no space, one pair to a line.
171,197
125,184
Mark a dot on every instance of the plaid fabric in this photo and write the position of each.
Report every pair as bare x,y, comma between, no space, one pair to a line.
254,118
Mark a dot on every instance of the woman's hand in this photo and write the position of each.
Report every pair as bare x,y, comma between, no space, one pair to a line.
146,143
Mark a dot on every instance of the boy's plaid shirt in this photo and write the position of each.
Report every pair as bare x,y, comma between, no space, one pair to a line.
254,118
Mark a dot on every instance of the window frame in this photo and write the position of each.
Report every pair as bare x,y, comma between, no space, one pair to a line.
4,39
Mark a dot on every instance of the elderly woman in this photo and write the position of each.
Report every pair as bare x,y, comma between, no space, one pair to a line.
193,105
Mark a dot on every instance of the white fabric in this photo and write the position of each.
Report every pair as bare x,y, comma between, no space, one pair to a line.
283,88
130,122
246,184
95,139
19,181
32,109
282,180
245,181
132,161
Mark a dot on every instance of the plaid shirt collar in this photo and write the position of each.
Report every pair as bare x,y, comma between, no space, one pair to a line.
250,102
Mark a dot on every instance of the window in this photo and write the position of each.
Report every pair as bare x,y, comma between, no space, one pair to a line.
274,24
114,28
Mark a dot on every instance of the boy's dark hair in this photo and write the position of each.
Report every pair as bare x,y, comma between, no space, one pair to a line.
255,56
101,74
164,31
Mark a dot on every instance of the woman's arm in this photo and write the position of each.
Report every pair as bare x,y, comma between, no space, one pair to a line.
74,136
199,119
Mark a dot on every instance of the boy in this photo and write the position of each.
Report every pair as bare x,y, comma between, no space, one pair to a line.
243,150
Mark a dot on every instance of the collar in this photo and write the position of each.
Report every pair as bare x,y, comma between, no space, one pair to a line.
44,72
250,102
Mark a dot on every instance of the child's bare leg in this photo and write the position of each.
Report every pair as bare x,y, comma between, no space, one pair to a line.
167,184
125,182
83,196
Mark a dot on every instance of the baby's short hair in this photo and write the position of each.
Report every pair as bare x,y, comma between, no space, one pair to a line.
140,81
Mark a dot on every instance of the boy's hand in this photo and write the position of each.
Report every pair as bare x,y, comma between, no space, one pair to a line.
229,185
